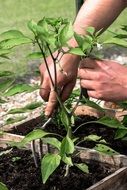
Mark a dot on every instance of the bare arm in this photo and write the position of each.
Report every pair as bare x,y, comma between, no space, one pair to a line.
98,13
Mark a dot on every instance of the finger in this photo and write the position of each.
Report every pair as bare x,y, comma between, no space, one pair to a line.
96,95
87,74
51,103
88,84
88,63
45,90
67,91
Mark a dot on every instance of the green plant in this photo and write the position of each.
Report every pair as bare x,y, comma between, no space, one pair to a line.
3,186
50,35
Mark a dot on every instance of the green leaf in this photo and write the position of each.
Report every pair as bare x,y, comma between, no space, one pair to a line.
67,146
12,34
45,36
124,139
4,51
14,159
49,21
120,133
35,55
6,84
76,51
10,43
66,34
32,26
52,141
33,135
90,30
2,101
79,39
110,122
43,23
4,57
106,121
124,121
19,88
48,38
123,104
116,41
65,118
83,167
87,44
41,30
3,186
105,150
6,74
93,105
27,108
121,36
92,138
49,164
14,120
17,110
124,27
33,105
67,160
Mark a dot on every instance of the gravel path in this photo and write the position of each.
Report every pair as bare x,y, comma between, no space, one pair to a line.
21,100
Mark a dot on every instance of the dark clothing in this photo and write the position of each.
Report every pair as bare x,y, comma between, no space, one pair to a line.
78,4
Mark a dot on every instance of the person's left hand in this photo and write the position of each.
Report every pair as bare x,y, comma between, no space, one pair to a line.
66,80
104,79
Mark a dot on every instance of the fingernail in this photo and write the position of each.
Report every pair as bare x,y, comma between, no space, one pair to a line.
47,114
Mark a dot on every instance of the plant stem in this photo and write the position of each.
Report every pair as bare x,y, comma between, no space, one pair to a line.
47,67
55,71
66,171
69,132
46,63
77,103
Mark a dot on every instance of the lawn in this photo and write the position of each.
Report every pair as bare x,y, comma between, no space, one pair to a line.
14,14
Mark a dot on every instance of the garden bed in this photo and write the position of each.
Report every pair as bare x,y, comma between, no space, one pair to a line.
120,159
17,171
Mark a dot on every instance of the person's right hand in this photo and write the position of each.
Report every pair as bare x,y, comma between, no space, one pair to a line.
65,80
104,79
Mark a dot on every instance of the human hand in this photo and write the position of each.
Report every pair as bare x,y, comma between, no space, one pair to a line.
104,79
65,80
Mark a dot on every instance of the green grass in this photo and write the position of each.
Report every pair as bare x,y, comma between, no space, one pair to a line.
14,14
122,19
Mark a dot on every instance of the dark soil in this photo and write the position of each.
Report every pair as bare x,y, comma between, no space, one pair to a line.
18,172
107,133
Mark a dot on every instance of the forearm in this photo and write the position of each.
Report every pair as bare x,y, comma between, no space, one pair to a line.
98,13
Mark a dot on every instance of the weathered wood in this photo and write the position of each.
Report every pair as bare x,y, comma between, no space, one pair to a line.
118,160
116,181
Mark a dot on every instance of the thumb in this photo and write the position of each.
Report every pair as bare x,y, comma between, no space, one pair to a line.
52,102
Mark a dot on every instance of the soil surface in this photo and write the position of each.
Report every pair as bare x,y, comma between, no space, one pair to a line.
18,172
107,133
